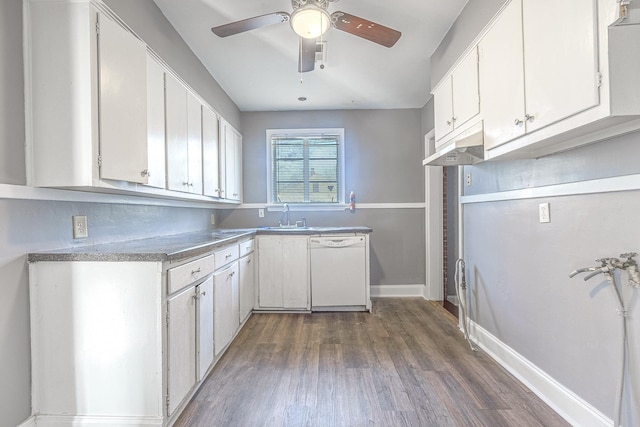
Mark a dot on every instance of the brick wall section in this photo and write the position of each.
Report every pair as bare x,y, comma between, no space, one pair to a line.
445,257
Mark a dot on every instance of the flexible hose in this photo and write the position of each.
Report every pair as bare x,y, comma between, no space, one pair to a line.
461,293
622,311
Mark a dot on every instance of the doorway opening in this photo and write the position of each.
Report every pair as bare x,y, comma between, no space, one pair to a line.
449,237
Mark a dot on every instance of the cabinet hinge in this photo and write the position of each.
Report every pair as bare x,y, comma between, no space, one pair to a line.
166,402
97,28
99,161
166,318
599,79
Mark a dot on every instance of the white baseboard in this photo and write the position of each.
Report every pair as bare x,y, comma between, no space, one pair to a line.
565,402
87,421
398,291
29,422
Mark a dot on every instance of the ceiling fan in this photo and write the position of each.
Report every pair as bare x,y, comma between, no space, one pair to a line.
310,20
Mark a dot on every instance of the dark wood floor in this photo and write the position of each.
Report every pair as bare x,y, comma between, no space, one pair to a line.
404,364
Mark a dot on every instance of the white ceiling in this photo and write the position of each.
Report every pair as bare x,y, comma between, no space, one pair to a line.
258,69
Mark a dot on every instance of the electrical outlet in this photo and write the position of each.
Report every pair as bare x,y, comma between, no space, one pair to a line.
260,213
80,229
544,214
213,219
469,180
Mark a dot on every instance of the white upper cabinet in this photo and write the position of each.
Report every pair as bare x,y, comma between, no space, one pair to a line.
456,99
184,138
502,78
560,59
556,74
210,153
177,128
155,124
105,112
194,149
122,76
230,162
87,100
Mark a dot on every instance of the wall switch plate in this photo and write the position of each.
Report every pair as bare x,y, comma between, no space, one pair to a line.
468,180
544,214
80,229
260,213
213,219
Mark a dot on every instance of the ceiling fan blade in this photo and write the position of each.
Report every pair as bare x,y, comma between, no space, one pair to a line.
368,30
250,24
307,58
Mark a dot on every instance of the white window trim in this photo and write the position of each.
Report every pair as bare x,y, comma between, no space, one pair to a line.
342,197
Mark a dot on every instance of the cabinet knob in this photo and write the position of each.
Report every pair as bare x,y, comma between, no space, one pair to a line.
145,173
529,118
518,122
454,119
449,122
203,293
185,183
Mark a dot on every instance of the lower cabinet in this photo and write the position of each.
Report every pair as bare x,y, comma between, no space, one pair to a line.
226,317
247,286
127,340
97,342
181,336
205,307
283,272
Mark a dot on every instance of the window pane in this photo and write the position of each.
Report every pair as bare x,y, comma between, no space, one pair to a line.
305,169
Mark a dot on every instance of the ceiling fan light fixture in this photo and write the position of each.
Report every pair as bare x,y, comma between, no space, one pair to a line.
310,21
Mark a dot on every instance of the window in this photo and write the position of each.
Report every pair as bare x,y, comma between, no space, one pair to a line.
306,166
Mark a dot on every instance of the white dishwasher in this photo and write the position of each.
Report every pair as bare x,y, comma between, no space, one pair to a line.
338,273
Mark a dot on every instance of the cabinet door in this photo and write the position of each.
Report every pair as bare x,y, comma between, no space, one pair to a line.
210,153
247,286
176,127
194,150
122,64
223,324
233,163
443,109
502,78
560,59
156,174
466,99
270,274
295,266
204,292
234,320
181,346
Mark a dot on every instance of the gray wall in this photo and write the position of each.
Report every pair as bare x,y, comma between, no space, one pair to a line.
383,165
517,268
29,226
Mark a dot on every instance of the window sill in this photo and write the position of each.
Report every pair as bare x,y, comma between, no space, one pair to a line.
304,207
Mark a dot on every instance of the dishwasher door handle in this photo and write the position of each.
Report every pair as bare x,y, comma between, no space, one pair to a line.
336,243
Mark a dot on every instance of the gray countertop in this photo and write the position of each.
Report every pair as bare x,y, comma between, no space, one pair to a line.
176,247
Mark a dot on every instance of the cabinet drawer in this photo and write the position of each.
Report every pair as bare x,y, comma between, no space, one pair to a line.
246,247
226,255
190,272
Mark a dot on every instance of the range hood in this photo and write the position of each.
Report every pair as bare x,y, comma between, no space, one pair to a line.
466,148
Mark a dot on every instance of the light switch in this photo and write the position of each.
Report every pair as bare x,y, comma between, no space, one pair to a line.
544,214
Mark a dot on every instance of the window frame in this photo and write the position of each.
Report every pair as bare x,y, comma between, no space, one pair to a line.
305,133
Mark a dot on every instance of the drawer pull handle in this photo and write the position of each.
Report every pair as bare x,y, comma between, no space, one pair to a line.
196,271
231,274
228,256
